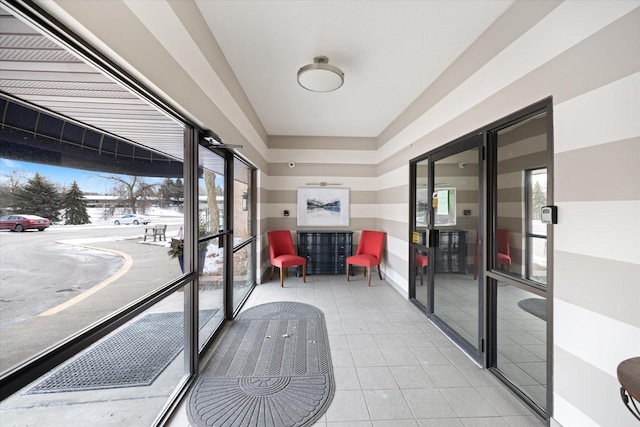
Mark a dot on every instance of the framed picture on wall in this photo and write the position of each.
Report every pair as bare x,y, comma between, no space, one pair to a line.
323,207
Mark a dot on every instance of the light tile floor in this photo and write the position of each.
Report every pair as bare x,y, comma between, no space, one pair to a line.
392,367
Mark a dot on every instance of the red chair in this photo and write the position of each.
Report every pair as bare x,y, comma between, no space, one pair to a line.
503,255
421,262
283,254
369,252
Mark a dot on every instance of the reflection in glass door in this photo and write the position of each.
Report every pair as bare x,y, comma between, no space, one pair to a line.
211,254
518,266
455,200
479,246
536,231
421,224
243,235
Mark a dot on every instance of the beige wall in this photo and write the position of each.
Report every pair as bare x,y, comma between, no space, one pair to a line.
582,53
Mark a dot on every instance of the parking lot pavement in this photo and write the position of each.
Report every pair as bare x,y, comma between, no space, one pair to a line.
150,267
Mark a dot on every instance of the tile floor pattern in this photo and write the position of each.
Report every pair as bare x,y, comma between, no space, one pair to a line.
392,367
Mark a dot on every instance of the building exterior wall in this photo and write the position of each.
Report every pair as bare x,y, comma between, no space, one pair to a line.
584,54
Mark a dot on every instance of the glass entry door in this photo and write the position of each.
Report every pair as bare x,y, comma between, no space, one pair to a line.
480,258
445,252
520,255
456,205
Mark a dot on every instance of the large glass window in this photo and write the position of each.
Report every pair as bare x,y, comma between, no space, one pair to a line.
97,300
211,253
243,241
142,361
112,209
112,213
536,230
521,191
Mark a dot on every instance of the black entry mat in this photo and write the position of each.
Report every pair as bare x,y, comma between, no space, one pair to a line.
134,356
271,368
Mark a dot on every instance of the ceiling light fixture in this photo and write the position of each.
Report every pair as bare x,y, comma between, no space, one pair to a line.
320,76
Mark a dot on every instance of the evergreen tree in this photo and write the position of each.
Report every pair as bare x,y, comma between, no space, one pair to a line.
75,206
38,197
6,199
170,192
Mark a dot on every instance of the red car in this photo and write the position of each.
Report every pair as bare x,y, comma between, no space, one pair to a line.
23,222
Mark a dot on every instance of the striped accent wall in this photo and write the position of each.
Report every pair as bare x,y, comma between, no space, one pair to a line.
597,250
585,56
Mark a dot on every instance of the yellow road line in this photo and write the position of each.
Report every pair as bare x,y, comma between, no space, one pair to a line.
128,261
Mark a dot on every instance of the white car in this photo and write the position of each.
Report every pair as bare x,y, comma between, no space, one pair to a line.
132,219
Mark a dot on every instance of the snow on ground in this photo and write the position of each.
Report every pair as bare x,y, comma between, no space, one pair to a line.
213,263
99,217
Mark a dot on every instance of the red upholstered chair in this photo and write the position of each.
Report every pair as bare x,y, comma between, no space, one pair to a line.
369,252
503,256
421,262
283,254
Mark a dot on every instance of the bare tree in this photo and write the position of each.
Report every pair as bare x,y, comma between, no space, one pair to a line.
135,193
144,195
16,179
9,186
126,190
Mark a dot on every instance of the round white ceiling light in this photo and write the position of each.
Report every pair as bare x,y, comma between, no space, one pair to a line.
320,76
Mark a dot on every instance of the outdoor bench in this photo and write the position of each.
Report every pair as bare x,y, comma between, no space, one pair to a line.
157,231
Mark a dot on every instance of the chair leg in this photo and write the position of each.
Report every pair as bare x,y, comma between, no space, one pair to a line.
304,273
272,270
379,273
348,272
421,276
369,276
282,277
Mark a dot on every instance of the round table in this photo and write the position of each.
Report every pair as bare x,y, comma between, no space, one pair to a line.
629,378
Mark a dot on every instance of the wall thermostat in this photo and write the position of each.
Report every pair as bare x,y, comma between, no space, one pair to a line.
549,214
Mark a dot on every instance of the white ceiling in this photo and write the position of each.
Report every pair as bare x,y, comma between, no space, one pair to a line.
388,50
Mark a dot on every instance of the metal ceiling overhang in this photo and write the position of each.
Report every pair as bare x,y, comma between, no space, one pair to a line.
29,134
50,83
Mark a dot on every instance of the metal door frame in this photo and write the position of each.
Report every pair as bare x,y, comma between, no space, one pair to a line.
467,142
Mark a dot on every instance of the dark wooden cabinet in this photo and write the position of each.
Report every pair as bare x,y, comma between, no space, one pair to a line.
326,251
451,255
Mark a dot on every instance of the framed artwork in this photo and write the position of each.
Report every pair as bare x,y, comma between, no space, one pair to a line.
323,207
